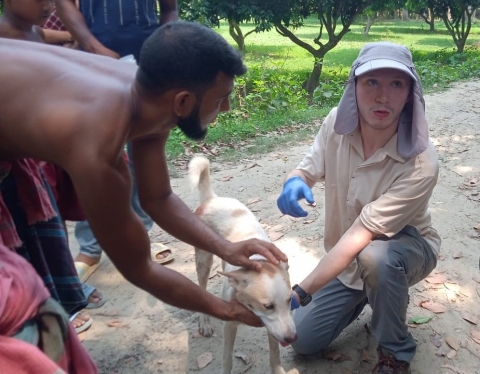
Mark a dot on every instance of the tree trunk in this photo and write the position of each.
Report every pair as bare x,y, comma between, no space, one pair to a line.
237,35
432,19
314,77
370,22
405,15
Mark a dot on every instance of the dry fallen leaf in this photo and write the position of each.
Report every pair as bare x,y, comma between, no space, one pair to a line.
253,200
454,369
441,257
457,255
225,178
117,323
436,279
251,166
241,189
433,306
469,317
242,356
451,354
204,359
308,221
336,356
275,235
475,335
452,342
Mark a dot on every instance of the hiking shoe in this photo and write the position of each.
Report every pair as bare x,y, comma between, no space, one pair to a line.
387,364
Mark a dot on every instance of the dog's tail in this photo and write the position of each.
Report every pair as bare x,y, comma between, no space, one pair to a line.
199,174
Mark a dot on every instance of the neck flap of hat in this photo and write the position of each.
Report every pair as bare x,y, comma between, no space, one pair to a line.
413,127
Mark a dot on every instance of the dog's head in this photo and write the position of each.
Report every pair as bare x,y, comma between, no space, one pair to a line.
268,295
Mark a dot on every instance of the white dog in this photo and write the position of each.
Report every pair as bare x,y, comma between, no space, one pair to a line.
266,293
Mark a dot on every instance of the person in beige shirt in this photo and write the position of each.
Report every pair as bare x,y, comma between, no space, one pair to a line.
379,168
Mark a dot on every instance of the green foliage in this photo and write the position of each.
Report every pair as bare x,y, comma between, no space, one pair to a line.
267,89
420,320
443,67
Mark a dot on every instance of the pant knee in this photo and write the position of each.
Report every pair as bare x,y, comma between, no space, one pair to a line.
374,264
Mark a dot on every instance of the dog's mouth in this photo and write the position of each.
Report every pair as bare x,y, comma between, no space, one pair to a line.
284,344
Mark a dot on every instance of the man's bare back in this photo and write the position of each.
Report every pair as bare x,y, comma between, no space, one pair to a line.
61,95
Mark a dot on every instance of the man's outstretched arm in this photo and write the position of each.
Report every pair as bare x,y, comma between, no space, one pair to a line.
75,23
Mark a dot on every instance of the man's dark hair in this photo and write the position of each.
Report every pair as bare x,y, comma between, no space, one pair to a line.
186,55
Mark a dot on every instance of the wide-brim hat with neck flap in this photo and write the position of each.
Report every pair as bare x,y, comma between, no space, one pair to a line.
413,127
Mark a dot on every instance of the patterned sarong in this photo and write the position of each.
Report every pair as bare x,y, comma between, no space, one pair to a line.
43,243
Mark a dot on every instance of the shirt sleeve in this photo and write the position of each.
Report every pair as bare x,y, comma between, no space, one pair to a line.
404,203
313,164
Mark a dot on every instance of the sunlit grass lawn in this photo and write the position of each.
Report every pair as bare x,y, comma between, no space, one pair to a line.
281,50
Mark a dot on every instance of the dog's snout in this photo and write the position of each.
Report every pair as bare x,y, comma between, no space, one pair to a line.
290,339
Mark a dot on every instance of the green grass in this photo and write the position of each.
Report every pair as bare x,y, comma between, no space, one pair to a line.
278,67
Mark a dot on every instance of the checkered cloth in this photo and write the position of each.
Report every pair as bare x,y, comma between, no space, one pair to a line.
54,23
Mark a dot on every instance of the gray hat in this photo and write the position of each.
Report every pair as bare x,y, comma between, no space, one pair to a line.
413,127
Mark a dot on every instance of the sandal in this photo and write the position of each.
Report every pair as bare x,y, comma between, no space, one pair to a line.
84,270
157,248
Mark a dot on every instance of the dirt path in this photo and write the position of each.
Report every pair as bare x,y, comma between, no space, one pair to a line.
135,333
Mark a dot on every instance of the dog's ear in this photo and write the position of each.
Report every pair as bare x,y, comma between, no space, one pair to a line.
236,278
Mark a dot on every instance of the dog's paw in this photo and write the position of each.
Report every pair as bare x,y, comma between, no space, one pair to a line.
204,327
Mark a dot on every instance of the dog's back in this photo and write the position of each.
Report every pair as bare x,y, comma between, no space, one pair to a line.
228,217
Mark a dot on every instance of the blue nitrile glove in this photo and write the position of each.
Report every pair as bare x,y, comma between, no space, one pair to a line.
294,189
294,303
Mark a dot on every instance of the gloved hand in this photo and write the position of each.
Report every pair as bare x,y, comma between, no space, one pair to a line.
294,189
294,304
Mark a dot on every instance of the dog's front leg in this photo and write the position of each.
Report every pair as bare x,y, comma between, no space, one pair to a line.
275,364
229,334
203,262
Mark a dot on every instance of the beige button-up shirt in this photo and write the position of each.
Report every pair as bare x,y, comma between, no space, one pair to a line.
387,191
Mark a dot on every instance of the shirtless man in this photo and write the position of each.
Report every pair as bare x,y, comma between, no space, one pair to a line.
78,110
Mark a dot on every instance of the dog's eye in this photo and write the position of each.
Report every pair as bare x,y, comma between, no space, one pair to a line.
269,306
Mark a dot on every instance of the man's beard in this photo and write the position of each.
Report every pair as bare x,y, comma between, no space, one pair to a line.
192,126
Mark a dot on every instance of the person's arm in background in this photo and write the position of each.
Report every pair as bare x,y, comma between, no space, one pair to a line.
56,36
75,23
168,11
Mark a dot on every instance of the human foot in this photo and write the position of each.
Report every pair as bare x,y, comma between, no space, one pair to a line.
81,321
94,297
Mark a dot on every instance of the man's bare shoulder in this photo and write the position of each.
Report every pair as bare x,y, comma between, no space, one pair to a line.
57,95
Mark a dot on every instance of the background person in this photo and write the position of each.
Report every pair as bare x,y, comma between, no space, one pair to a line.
379,167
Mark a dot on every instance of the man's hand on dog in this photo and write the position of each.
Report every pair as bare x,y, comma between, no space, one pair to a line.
239,253
244,315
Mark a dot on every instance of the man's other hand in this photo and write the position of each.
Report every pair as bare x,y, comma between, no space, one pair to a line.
294,189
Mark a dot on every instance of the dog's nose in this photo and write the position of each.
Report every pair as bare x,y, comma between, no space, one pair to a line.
290,339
